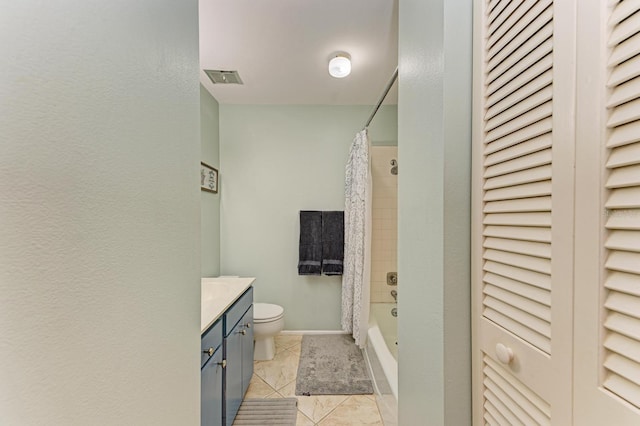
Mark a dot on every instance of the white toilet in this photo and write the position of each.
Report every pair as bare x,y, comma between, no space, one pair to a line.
268,320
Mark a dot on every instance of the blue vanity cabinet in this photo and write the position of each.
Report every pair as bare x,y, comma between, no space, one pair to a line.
247,350
211,376
238,346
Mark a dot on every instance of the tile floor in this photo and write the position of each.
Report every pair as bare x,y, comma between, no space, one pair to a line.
277,379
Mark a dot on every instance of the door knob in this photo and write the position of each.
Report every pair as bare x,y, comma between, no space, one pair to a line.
504,353
208,351
223,363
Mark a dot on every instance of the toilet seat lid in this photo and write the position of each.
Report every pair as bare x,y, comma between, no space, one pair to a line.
266,311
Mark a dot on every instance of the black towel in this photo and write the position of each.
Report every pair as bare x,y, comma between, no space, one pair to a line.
332,242
310,248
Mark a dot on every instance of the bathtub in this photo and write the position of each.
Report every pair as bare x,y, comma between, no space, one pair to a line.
382,350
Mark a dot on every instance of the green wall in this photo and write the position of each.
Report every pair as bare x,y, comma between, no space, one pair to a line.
274,162
99,213
434,147
209,202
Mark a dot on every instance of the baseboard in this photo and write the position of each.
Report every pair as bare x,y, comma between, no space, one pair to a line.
314,332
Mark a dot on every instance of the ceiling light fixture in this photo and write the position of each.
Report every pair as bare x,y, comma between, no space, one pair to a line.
340,65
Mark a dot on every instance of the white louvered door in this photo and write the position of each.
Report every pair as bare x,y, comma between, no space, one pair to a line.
523,208
607,315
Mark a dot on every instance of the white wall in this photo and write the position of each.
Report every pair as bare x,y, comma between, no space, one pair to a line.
434,146
99,213
384,226
209,202
274,162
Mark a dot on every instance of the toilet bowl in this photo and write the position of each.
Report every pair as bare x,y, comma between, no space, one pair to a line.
268,320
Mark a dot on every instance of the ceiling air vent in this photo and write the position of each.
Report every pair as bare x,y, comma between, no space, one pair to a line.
224,77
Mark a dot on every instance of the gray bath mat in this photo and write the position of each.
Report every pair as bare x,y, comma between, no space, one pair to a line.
274,411
331,364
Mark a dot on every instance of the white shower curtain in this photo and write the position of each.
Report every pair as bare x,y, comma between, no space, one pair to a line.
357,240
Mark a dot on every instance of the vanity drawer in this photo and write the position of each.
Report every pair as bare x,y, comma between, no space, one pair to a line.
235,312
212,338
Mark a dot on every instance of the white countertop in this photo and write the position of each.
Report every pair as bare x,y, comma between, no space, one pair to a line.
217,295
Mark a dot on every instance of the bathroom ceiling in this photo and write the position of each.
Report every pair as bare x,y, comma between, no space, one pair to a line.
281,49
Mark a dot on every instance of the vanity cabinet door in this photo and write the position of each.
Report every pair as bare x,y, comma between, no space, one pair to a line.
239,347
233,377
211,390
247,349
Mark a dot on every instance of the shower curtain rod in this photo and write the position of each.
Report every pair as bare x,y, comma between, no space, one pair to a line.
384,95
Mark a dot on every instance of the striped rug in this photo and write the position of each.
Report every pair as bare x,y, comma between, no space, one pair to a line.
274,411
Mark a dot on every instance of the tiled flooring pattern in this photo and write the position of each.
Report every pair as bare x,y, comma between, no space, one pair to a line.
277,379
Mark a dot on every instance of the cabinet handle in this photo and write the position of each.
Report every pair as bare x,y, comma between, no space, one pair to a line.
208,351
248,325
243,332
223,363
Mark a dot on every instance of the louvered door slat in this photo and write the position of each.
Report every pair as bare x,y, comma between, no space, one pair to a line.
506,414
624,240
526,319
624,220
623,282
620,344
525,290
525,262
624,92
522,247
623,261
524,120
523,105
523,219
624,198
518,415
622,11
624,303
504,14
529,139
536,189
524,91
520,395
625,113
537,403
623,324
523,162
495,414
527,276
624,367
498,12
535,174
626,389
624,156
522,303
519,233
535,32
624,71
535,204
503,88
622,31
622,177
531,52
508,400
518,21
625,50
489,420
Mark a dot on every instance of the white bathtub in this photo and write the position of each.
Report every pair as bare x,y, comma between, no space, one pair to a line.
382,348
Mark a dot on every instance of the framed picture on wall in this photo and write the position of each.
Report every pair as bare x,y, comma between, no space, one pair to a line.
208,178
